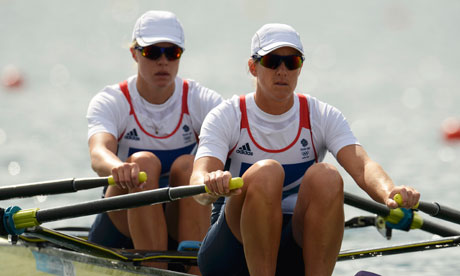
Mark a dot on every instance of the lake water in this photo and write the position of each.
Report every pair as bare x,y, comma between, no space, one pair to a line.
391,67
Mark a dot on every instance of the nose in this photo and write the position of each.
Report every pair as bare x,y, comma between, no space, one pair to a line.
162,59
282,69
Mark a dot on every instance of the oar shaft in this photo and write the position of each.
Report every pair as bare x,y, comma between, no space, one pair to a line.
38,188
439,211
435,228
14,220
117,203
69,185
398,249
366,204
384,211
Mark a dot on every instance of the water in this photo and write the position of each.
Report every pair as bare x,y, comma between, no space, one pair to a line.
390,66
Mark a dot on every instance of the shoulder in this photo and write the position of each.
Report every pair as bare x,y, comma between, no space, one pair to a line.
197,90
321,108
232,104
228,110
202,98
108,98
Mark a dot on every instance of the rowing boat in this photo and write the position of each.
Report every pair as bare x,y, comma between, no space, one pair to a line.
40,250
27,248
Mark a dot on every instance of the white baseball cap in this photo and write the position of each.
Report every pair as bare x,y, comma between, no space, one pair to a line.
273,36
158,26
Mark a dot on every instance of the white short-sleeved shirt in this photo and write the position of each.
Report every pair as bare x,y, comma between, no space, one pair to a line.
168,130
293,141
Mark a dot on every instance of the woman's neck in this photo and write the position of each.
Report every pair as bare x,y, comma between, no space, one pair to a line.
155,94
273,105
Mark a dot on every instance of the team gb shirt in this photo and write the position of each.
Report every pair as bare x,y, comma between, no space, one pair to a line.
168,130
239,134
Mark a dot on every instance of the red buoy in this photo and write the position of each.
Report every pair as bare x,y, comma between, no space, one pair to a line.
451,129
12,77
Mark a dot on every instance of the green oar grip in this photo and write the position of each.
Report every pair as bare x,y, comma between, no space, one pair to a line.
25,218
142,178
234,183
398,198
396,215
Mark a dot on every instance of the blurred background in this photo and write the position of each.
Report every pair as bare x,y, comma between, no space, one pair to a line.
391,67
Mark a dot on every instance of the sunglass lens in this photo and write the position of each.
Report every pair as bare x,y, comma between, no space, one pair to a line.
270,61
151,52
173,53
155,52
293,62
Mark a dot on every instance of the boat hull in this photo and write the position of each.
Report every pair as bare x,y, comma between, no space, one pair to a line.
22,259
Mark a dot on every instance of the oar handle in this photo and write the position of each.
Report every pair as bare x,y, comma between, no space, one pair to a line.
234,183
70,185
398,198
142,178
395,214
16,220
434,209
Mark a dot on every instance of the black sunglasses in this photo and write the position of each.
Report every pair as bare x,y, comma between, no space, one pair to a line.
154,52
273,61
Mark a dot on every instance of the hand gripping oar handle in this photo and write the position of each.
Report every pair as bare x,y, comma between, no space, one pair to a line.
398,198
235,183
59,186
16,220
142,178
434,209
395,215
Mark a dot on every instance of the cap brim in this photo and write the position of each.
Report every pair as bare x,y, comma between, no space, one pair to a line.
147,41
272,47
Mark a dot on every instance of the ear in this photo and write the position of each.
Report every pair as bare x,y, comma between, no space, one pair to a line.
252,67
133,53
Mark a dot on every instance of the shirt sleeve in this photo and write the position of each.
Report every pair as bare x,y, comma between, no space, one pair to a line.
220,131
330,127
105,112
201,101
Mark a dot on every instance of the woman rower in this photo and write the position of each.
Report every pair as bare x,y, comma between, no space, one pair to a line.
289,216
150,122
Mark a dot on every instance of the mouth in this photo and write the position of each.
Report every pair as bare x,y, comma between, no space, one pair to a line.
162,74
281,83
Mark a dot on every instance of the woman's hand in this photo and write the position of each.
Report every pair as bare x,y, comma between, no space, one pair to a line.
410,197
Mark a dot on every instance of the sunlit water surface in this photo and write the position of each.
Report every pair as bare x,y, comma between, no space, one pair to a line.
391,67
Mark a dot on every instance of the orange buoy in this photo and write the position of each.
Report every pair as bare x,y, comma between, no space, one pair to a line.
12,77
451,129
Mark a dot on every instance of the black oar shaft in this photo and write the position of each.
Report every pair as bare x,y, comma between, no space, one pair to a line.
437,210
14,220
37,188
366,204
438,229
382,210
118,203
59,186
69,185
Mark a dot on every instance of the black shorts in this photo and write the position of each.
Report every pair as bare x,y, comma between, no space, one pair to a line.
222,254
104,232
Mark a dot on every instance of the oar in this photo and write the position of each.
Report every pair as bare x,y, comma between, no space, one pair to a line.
58,186
16,220
401,248
395,215
434,209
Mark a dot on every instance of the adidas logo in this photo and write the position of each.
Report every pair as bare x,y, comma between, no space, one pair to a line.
245,149
132,135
